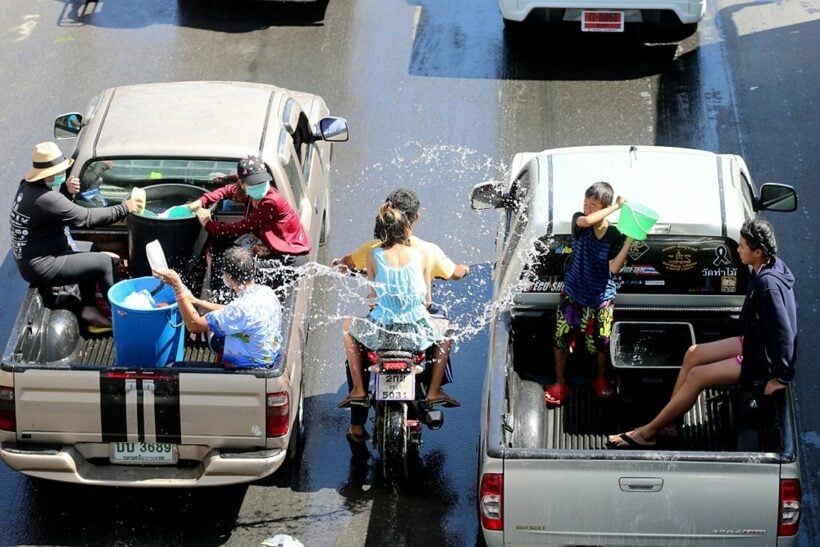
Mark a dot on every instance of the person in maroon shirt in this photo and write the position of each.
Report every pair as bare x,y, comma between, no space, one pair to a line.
268,215
271,228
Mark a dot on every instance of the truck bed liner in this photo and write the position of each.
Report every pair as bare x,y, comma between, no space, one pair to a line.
584,422
99,351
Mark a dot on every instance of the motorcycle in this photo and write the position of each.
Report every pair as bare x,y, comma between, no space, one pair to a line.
399,399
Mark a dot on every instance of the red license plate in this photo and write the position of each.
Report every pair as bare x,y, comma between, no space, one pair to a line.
602,21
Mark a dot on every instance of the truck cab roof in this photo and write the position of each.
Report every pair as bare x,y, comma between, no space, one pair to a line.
683,186
187,119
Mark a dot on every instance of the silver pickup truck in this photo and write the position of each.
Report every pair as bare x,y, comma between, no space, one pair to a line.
731,476
68,410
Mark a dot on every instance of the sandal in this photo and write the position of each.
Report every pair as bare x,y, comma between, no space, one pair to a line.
358,439
602,388
623,440
354,401
555,394
444,400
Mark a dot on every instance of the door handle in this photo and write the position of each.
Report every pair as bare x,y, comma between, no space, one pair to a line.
640,484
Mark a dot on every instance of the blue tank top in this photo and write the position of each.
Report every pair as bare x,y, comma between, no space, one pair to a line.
401,292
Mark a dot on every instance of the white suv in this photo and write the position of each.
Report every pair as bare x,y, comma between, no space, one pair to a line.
604,15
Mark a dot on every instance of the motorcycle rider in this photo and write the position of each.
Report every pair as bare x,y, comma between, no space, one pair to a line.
407,201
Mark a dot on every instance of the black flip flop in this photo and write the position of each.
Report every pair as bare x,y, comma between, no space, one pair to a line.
446,402
358,439
354,401
631,444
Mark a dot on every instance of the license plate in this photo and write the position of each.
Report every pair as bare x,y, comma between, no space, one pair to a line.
143,453
395,387
602,21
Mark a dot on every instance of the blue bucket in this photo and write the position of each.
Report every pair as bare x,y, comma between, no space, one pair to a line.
146,338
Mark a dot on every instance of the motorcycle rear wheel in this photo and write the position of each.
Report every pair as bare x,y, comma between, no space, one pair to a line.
393,442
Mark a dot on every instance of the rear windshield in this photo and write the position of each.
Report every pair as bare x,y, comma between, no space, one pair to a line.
108,181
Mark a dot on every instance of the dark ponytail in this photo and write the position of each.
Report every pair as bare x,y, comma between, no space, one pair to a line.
392,226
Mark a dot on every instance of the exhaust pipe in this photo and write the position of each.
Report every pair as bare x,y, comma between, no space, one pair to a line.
433,419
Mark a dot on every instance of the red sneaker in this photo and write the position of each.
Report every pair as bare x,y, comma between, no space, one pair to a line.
555,394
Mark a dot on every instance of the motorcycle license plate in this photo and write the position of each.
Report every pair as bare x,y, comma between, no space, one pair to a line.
602,21
143,453
395,387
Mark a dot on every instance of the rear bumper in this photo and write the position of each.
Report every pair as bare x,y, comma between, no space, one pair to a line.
67,464
688,11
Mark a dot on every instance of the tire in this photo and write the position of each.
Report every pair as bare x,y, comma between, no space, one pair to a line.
393,442
298,432
528,413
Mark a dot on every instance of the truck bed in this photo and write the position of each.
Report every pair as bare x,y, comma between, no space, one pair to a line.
584,421
718,422
99,351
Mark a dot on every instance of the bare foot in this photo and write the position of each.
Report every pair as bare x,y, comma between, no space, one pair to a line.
93,317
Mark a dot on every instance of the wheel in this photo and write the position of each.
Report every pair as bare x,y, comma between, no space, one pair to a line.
393,442
528,413
298,432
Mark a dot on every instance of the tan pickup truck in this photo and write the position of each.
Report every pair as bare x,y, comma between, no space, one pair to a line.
68,412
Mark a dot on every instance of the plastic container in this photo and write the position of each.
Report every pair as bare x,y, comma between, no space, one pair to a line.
139,194
178,236
649,345
177,211
146,337
155,255
636,220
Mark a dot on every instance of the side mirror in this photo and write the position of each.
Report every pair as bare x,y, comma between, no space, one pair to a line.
777,197
333,129
68,125
486,195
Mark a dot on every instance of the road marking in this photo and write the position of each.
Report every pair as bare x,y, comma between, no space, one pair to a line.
27,27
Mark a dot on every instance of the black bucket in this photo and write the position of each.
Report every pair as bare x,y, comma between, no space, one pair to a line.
180,238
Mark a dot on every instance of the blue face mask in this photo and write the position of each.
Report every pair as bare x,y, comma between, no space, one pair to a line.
58,180
257,191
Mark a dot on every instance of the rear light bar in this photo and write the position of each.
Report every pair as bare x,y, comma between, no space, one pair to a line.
8,421
491,501
138,376
394,366
277,414
790,507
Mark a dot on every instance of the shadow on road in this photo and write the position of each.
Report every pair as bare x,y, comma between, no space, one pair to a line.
66,514
231,16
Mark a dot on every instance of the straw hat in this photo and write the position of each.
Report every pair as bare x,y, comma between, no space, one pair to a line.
47,160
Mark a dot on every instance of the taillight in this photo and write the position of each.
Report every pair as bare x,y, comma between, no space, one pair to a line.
490,501
7,418
790,507
419,358
373,357
277,414
394,366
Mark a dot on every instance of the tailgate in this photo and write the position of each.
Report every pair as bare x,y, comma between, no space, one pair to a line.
640,502
203,408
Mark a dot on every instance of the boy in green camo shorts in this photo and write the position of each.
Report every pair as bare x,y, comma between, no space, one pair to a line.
588,299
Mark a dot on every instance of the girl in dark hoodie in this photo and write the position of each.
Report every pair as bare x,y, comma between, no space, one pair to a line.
765,351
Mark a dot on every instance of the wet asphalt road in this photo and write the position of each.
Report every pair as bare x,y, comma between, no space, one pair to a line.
438,99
